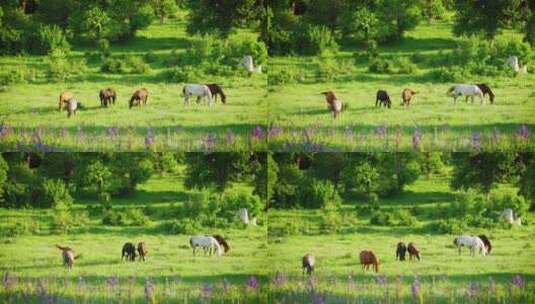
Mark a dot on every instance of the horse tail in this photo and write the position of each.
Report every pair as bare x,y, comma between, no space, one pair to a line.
191,242
451,89
78,256
62,248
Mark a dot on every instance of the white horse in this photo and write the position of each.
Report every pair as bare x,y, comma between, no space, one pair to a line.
199,90
468,90
206,242
472,242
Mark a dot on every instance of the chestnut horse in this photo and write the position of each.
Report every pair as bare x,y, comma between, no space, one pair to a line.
368,258
308,262
68,256
107,96
63,99
413,251
142,250
406,97
215,89
334,104
485,89
139,96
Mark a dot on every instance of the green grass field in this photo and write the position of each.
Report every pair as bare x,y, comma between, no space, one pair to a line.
175,275
300,113
445,276
33,106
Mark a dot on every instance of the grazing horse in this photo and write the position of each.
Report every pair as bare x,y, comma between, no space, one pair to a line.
400,251
206,242
129,251
68,256
368,258
406,96
63,98
487,243
382,98
142,250
139,96
472,242
199,90
468,90
71,106
334,104
222,242
486,91
107,96
413,251
308,262
215,89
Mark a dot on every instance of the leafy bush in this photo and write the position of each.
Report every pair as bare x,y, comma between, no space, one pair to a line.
15,76
447,74
46,39
380,65
184,226
150,57
60,68
19,228
405,66
327,70
53,193
294,226
319,194
114,65
404,218
331,222
368,209
113,218
316,40
136,217
382,218
136,65
400,217
450,226
280,77
502,199
180,75
232,201
65,221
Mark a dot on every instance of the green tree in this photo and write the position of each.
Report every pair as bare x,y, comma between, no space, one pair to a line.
433,9
164,8
98,175
266,178
480,171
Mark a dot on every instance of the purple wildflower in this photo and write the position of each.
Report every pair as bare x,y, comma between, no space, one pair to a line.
63,133
112,282
257,132
349,133
473,289
381,131
230,137
209,142
318,298
416,139
226,286
252,282
308,134
9,280
518,281
149,290
274,131
416,289
476,141
523,132
380,279
149,139
112,132
5,130
206,290
280,279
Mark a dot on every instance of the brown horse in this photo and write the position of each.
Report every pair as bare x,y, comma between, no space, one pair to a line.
68,256
486,90
308,262
215,89
486,241
368,258
413,251
63,99
139,96
107,96
222,242
334,104
406,97
142,250
129,251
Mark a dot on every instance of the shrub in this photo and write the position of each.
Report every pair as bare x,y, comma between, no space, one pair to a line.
180,75
289,227
114,65
280,77
136,65
53,193
60,68
404,218
15,76
136,217
405,66
65,221
368,209
113,218
232,201
150,57
331,222
382,218
316,40
185,226
19,228
319,194
327,71
502,199
447,74
450,226
380,65
46,39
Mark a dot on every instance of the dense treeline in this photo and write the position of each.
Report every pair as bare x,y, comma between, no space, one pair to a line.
53,179
320,180
313,26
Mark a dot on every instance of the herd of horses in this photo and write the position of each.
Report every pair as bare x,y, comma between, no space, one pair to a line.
207,92
368,258
211,244
382,98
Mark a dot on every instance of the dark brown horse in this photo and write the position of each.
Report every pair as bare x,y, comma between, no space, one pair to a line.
334,104
222,242
107,96
68,256
142,250
401,251
140,96
129,251
215,89
63,99
486,91
486,241
413,251
368,258
382,98
308,263
406,97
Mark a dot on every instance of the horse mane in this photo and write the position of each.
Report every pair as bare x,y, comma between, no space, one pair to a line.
375,261
222,242
63,248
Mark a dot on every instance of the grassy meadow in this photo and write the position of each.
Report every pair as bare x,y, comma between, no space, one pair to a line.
300,119
33,273
29,115
442,276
